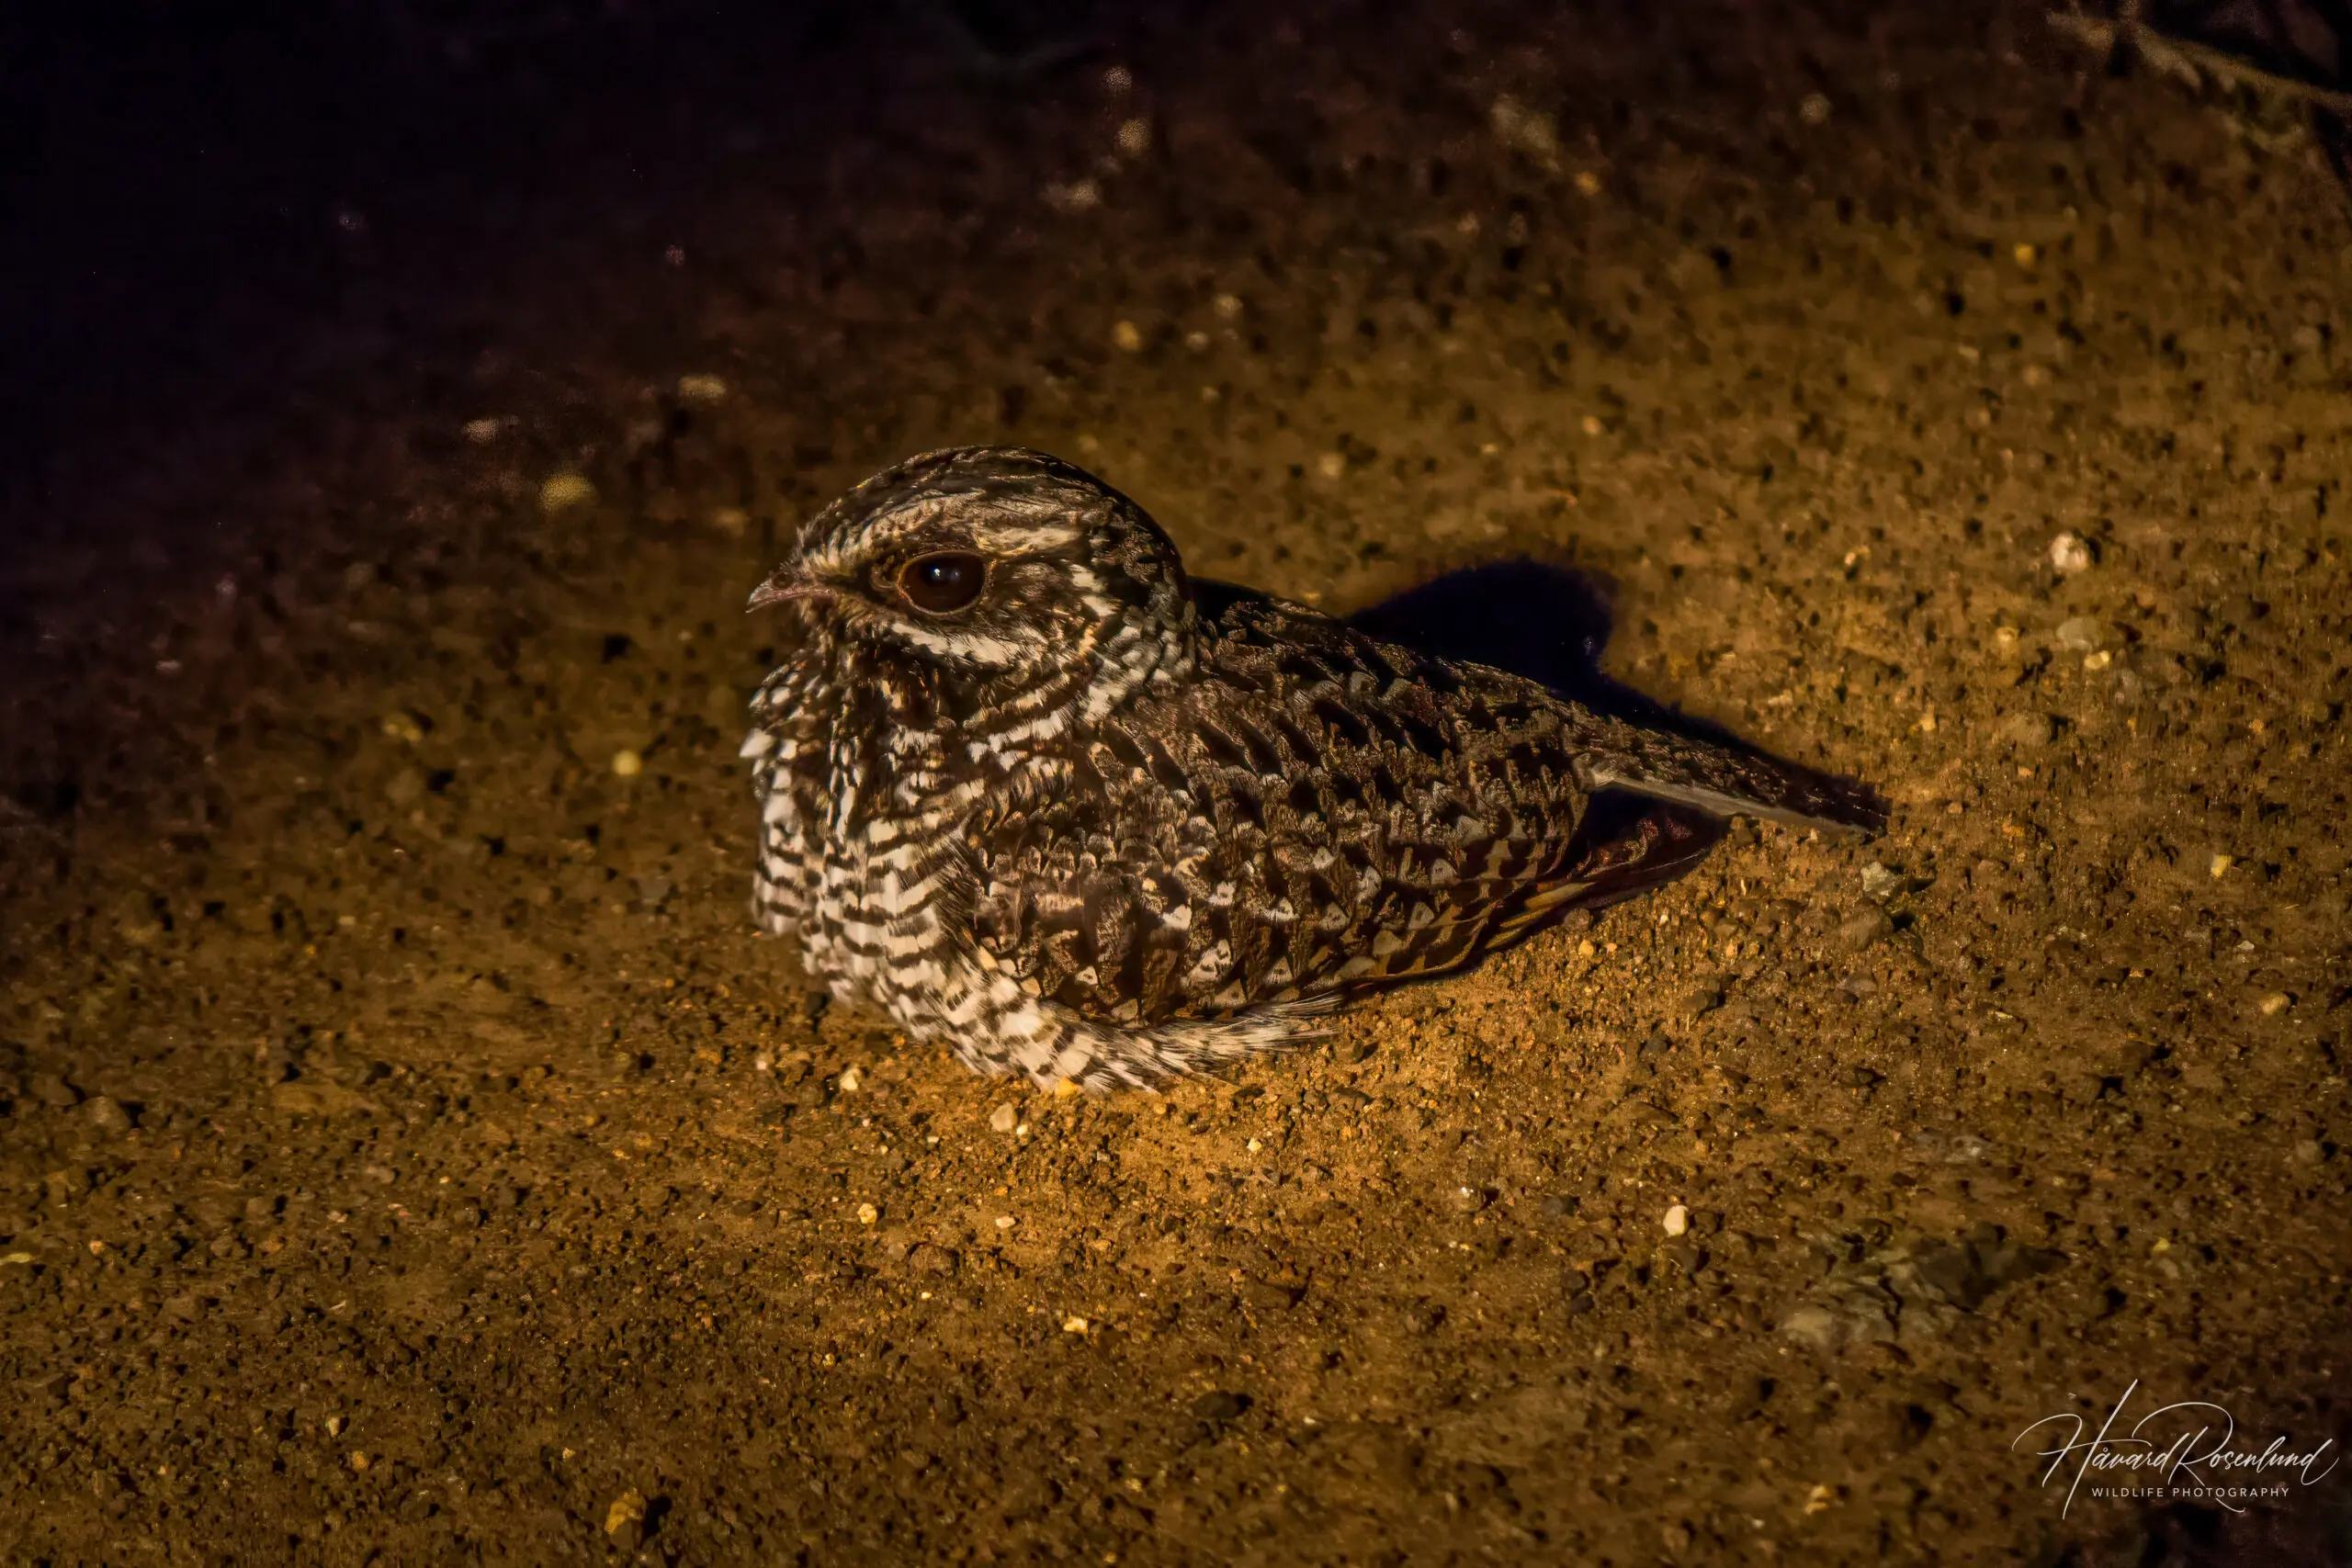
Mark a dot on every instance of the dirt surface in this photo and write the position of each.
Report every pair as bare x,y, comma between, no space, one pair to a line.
408,1153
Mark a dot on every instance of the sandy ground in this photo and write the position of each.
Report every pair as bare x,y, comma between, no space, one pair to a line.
409,1155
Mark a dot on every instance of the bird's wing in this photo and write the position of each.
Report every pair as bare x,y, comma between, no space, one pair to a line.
1317,811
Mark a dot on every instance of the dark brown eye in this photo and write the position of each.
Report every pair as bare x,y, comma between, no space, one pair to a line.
944,583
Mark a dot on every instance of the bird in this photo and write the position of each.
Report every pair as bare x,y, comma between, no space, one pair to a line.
1033,792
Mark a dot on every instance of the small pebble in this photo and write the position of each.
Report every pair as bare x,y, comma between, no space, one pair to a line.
849,1082
1332,465
1005,1222
2219,866
626,1517
2028,729
1813,110
1079,195
2070,553
1004,1118
867,1213
1677,1219
2081,634
54,1092
1858,931
563,492
1702,998
1587,182
703,390
731,521
482,432
628,764
1066,1089
1118,81
1135,137
1073,1325
1219,1405
1228,307
1878,882
1126,337
1525,130
2272,1006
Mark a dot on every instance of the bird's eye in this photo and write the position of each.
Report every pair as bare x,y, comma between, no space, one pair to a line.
944,583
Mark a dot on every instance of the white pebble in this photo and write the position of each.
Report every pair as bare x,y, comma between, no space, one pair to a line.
1813,110
849,1081
561,493
867,1213
1228,307
1529,130
628,764
1073,1325
1003,1118
1135,137
1677,1219
2081,634
1332,465
2221,864
703,390
2070,553
1005,1222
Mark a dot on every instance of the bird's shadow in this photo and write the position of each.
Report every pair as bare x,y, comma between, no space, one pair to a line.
1546,623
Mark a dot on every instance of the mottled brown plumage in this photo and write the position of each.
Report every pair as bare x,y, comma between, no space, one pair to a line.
1105,824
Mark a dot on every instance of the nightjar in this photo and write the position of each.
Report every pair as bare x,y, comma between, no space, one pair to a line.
1032,791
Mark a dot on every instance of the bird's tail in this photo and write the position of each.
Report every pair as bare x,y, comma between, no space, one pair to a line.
1726,783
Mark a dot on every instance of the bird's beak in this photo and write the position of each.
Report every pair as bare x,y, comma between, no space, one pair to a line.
776,589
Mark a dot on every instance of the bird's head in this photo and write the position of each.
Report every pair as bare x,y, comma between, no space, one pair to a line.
994,567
